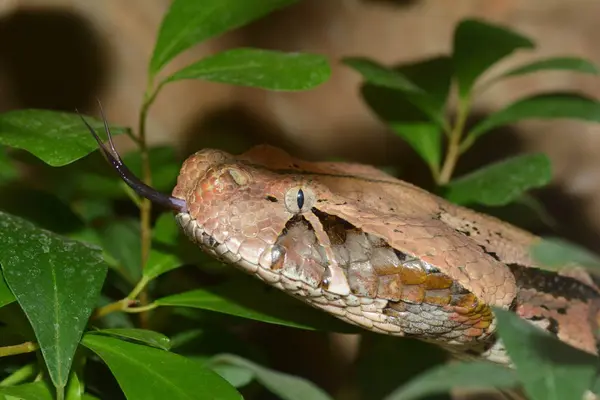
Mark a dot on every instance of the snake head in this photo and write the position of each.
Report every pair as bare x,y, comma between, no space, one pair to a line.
112,156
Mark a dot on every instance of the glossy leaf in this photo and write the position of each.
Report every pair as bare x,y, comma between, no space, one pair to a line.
471,376
553,253
6,296
236,376
545,106
189,22
150,338
148,373
56,281
375,378
22,374
75,387
57,138
380,75
29,391
244,297
160,262
8,171
502,182
166,230
121,239
406,120
285,386
424,138
548,368
574,64
479,45
424,84
266,69
94,178
55,215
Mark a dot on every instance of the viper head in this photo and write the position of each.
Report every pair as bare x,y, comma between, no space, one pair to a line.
112,156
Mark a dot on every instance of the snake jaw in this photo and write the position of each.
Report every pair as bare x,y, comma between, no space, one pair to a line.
112,156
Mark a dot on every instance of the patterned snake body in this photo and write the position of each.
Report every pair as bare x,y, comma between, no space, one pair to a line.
392,259
373,250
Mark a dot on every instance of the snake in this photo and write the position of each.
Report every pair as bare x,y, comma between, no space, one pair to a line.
372,250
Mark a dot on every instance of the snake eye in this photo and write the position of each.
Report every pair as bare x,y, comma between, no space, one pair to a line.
299,200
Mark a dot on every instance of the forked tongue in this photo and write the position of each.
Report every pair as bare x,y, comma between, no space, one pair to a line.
112,156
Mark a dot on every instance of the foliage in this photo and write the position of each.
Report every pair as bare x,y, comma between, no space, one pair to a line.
87,287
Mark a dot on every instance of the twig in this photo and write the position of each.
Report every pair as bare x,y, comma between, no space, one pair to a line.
22,348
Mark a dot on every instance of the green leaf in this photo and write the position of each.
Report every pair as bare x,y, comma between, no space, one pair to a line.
285,386
247,298
554,253
236,376
549,369
425,84
56,282
166,230
189,22
266,69
94,178
544,106
8,171
160,262
6,296
29,391
57,138
375,378
407,121
151,338
147,373
55,215
479,45
424,138
475,376
502,182
574,64
121,239
379,75
75,387
22,374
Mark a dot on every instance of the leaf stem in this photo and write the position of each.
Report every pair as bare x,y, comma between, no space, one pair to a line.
141,309
145,205
26,347
141,285
453,152
119,305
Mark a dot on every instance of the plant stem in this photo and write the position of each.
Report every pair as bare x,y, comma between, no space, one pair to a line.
453,151
146,205
141,309
120,305
22,348
141,285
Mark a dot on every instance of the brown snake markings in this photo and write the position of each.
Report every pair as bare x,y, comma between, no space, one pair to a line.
372,250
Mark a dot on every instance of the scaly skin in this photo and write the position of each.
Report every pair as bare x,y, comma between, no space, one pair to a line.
378,252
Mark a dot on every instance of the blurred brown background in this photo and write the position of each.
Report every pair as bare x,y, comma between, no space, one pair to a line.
63,54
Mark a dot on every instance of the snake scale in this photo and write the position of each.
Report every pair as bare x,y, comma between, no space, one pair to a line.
372,250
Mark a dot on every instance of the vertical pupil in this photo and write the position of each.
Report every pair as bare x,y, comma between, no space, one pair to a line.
300,199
